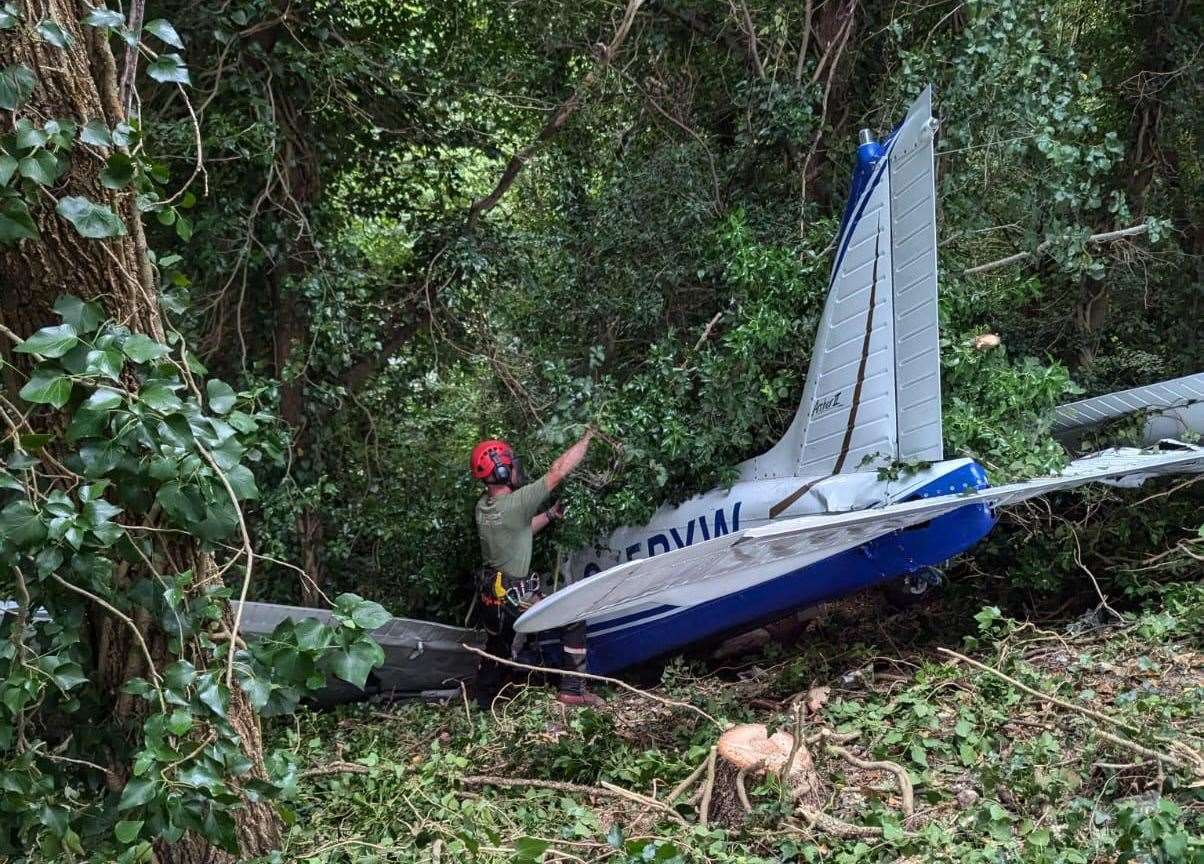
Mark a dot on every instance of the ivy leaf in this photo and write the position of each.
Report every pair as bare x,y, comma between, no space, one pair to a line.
369,615
8,481
118,172
41,167
212,694
142,349
15,221
69,675
28,135
258,690
8,167
9,17
21,524
168,68
103,399
221,396
201,775
100,457
228,453
89,218
127,830
84,317
106,363
84,424
104,18
527,850
98,512
47,387
50,341
179,676
16,86
50,31
360,658
165,32
183,508
137,792
179,722
159,398
242,481
95,132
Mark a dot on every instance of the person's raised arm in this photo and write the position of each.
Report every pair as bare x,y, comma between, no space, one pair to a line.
567,461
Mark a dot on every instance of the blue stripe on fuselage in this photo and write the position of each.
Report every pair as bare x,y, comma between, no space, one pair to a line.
626,643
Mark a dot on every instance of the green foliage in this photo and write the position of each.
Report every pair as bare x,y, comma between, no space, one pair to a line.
136,438
998,775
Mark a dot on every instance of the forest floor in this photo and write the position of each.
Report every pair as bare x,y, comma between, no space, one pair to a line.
1109,773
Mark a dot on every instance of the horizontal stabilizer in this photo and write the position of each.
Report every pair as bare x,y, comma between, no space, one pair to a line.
723,565
419,655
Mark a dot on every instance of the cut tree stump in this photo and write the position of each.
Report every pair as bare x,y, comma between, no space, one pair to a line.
747,752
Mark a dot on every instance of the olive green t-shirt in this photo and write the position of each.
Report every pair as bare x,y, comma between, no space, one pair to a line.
504,523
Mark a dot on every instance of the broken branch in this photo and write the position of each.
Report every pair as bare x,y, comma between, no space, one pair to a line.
1105,237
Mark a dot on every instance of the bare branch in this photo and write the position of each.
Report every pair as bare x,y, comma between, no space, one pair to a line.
1105,237
607,53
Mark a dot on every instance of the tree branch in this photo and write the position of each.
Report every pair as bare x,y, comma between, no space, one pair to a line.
1105,237
607,53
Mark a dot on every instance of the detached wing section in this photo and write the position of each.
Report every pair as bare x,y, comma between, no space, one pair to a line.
737,560
1175,407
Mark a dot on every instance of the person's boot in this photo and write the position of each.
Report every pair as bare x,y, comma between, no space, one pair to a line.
572,687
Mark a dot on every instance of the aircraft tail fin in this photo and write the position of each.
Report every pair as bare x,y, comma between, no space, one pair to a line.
873,391
1172,408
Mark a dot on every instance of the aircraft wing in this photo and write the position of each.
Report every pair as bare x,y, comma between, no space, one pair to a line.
1172,408
727,562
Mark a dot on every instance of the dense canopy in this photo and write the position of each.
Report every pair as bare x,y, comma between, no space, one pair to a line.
270,270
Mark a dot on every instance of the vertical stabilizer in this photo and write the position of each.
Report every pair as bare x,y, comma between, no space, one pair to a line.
873,387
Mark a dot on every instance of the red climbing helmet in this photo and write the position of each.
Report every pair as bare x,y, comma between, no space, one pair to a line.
493,462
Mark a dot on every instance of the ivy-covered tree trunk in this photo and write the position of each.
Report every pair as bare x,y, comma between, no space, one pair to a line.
76,81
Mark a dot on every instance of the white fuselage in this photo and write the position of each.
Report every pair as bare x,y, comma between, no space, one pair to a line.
750,504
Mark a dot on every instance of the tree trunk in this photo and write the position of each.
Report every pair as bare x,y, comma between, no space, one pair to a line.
80,83
299,169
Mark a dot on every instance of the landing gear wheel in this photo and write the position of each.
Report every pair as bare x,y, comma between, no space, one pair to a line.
912,589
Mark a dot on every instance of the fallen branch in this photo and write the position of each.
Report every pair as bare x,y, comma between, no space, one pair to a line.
335,768
606,790
643,799
1146,751
838,827
741,792
591,677
680,788
1198,760
1105,237
708,788
906,793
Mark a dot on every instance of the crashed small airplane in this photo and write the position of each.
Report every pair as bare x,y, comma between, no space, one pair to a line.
815,517
832,508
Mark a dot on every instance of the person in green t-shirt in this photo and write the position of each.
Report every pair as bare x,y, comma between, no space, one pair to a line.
508,517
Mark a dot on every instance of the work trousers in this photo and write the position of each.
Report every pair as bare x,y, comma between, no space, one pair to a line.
498,622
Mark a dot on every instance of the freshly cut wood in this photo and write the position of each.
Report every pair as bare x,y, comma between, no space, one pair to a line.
748,750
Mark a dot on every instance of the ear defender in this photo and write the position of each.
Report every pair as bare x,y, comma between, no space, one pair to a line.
501,471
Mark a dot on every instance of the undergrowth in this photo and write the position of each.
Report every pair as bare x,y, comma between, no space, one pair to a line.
999,775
